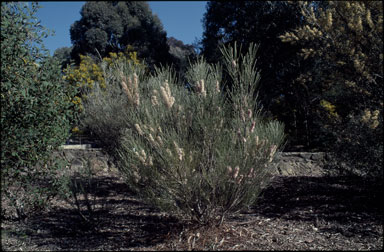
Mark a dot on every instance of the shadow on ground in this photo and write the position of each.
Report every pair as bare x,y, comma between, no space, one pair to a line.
127,223
333,203
119,221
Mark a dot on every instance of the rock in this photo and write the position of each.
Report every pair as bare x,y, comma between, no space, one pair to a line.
299,163
286,169
318,156
305,155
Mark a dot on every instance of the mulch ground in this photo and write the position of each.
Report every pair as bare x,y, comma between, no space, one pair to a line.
294,213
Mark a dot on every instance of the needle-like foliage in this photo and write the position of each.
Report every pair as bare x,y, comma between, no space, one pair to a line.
194,150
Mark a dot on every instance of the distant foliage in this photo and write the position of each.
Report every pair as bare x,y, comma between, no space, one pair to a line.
83,77
89,72
107,27
345,39
36,112
63,55
192,151
182,55
108,108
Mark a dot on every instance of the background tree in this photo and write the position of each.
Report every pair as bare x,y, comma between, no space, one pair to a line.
262,22
182,55
344,39
63,55
112,26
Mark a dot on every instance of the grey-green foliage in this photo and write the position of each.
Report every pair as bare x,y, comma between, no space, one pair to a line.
36,112
200,69
262,22
107,110
195,152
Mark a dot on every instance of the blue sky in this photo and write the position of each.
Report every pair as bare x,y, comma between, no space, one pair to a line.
180,19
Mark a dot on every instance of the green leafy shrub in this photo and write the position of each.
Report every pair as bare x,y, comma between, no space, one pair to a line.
359,148
36,111
199,152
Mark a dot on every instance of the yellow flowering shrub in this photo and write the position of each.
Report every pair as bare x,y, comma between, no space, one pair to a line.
342,42
88,72
330,108
83,77
121,57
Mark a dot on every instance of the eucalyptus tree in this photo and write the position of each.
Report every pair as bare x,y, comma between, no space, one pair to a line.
113,26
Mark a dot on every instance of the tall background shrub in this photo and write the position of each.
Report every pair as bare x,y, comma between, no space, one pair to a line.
342,42
91,71
36,109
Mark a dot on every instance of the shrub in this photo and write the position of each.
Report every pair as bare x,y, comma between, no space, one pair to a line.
84,76
89,71
36,112
106,110
195,152
81,188
358,150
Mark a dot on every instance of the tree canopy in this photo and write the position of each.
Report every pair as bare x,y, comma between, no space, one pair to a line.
107,27
63,55
181,54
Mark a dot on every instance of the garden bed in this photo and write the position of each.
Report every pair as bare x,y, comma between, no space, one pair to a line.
294,213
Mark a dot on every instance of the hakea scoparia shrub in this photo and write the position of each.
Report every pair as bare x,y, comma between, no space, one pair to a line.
195,150
106,109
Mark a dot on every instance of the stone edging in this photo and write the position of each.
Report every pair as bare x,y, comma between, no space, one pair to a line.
285,163
300,163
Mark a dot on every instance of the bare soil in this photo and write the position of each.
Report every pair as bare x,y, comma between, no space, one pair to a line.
294,213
